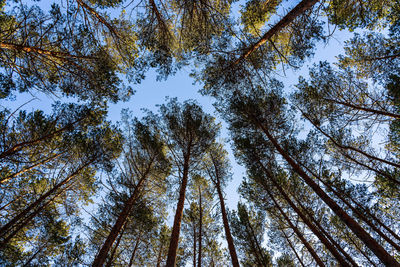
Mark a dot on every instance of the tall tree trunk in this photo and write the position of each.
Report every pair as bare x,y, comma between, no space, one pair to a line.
110,260
173,245
228,235
134,252
286,20
200,228
159,257
361,251
360,214
256,246
304,218
4,229
293,248
13,175
371,243
103,252
298,232
194,245
25,220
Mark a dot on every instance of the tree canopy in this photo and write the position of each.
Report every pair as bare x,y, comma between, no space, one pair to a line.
319,139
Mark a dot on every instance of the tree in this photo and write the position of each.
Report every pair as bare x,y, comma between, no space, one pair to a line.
188,133
217,169
145,159
248,229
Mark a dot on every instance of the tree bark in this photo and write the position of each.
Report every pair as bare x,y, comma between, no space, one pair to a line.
286,20
298,233
194,245
173,245
200,229
4,229
115,247
304,218
32,49
292,247
361,215
7,178
103,252
25,220
228,235
134,252
371,243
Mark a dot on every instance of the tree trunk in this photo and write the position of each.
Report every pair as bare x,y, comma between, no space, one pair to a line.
134,252
361,215
103,252
293,249
286,20
159,257
200,229
4,229
228,235
7,178
194,245
298,233
173,245
304,218
256,246
371,243
115,247
25,220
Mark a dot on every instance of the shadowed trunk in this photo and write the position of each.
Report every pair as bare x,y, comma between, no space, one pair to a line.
286,20
7,227
364,236
298,233
173,245
103,252
228,235
200,228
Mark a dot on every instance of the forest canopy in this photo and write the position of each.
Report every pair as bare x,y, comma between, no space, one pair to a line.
314,122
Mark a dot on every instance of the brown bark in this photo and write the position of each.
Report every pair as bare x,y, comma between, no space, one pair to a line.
121,220
173,245
134,252
32,49
110,260
304,218
228,235
361,215
194,245
330,238
217,183
159,257
370,110
286,20
298,233
292,247
200,229
98,17
256,246
21,224
361,251
363,235
7,178
4,229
